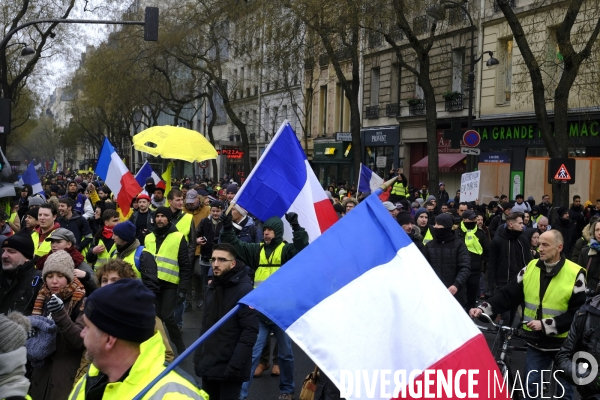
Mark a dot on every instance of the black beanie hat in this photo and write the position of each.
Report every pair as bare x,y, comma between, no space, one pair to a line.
404,218
133,322
166,211
444,220
22,242
33,212
561,211
125,230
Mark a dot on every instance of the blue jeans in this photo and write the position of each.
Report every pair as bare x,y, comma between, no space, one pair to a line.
286,357
536,361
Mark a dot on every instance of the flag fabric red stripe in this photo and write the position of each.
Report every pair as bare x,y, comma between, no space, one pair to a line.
326,215
129,189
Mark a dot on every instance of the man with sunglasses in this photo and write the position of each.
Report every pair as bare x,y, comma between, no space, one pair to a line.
224,360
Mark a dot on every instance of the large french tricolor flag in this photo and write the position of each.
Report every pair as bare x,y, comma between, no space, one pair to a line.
283,182
118,178
378,306
144,173
368,181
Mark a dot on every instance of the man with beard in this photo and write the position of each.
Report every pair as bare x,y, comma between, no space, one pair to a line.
545,206
170,250
47,224
265,259
81,203
195,208
405,220
158,197
422,222
142,218
567,228
31,220
509,254
577,215
20,281
536,215
124,348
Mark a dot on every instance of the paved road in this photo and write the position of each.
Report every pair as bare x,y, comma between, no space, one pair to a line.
267,387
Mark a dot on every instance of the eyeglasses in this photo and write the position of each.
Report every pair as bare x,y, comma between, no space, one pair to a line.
219,259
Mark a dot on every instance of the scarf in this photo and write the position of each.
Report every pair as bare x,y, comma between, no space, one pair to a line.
12,374
72,293
443,234
107,232
594,245
512,234
193,207
73,252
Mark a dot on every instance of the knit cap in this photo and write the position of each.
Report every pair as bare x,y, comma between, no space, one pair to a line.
431,197
125,231
404,218
124,309
232,188
60,262
22,242
166,211
444,220
13,331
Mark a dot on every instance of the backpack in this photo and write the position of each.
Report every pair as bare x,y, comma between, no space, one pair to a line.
136,257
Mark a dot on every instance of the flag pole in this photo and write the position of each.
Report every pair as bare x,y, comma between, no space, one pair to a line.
187,352
385,186
358,184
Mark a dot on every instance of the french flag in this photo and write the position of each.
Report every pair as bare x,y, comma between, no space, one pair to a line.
368,181
31,177
146,172
118,178
377,308
282,182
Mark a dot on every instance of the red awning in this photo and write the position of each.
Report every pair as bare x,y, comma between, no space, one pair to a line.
448,162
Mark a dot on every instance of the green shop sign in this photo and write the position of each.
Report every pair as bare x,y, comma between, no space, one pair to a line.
580,133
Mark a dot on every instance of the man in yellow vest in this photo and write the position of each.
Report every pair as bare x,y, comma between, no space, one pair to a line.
552,289
400,187
265,259
170,250
422,222
478,244
128,249
125,350
47,224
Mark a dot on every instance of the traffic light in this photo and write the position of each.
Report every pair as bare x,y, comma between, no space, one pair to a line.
151,24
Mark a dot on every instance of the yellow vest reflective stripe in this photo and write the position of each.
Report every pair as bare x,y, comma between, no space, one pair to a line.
41,249
104,257
167,257
399,189
428,237
556,298
184,225
267,267
172,386
471,239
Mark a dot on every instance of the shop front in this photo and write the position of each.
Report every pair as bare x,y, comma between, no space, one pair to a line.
381,147
230,161
332,161
515,156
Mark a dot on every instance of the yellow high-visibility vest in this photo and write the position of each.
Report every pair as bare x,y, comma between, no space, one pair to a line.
167,257
268,266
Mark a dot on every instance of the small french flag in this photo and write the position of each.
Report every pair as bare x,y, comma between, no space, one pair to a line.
283,182
118,178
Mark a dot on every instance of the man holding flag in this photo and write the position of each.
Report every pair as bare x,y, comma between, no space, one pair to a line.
265,259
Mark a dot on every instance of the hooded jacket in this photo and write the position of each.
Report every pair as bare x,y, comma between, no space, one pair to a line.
249,253
228,355
80,228
19,289
509,254
583,241
567,228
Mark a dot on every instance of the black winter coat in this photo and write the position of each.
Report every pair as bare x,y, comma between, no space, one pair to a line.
452,264
583,336
227,355
567,229
593,271
508,256
20,294
477,260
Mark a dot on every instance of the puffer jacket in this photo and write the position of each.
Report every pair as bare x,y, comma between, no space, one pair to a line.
451,261
591,257
583,336
228,355
583,241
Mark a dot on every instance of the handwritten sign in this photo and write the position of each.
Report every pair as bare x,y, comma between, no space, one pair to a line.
469,186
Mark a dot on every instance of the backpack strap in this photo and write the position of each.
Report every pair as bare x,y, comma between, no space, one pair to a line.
136,257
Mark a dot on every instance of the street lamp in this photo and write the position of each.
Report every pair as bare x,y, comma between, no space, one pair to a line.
27,52
437,12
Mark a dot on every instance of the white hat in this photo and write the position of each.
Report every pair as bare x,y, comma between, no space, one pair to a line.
389,205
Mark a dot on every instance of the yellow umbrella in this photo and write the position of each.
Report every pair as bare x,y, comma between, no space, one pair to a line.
174,142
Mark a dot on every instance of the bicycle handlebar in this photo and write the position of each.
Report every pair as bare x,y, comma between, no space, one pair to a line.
497,327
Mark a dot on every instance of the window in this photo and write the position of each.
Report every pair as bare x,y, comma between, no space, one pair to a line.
552,72
323,110
504,72
458,62
267,123
284,113
418,89
276,117
375,86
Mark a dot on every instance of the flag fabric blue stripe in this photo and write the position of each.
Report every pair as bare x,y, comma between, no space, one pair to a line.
365,179
144,173
104,159
335,259
30,177
278,179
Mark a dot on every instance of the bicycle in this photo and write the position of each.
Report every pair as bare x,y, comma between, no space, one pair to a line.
501,350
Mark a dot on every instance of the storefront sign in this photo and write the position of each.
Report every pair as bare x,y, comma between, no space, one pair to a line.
381,162
231,153
445,146
494,158
381,136
343,136
331,152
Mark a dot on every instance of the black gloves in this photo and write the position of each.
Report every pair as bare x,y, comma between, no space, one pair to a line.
55,304
226,220
292,218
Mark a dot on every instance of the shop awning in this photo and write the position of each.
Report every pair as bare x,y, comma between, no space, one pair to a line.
448,162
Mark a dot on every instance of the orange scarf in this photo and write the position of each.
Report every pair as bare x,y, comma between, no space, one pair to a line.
72,293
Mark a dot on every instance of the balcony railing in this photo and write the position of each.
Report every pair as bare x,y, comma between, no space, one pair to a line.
392,110
372,112
416,108
324,60
454,103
